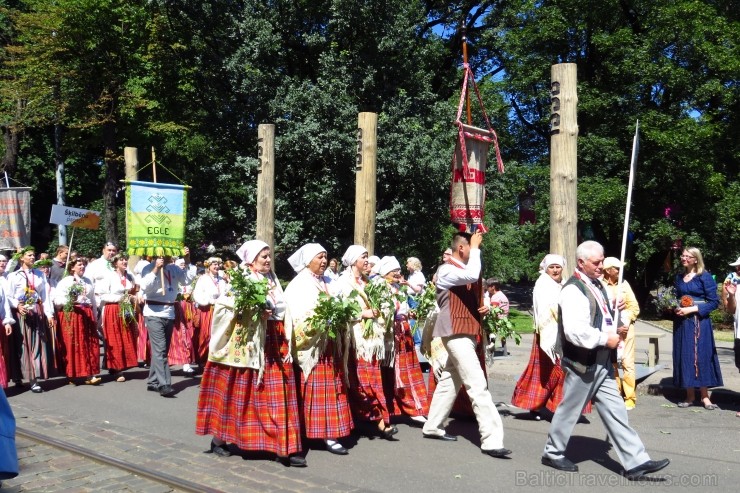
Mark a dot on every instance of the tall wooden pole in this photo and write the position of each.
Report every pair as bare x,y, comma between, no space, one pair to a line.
365,180
266,184
564,164
131,163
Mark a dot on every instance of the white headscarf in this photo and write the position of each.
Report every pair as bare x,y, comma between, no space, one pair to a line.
303,256
352,254
249,250
551,258
387,264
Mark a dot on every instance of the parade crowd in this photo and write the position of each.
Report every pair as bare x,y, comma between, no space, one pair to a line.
276,378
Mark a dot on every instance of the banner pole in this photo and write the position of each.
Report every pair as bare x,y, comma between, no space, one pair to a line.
7,183
154,177
71,239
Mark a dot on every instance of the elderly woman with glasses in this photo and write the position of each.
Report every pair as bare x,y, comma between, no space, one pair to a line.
695,361
209,287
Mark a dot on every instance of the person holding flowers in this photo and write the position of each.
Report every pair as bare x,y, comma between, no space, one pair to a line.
695,361
79,350
323,385
32,353
367,399
248,393
120,319
208,288
405,389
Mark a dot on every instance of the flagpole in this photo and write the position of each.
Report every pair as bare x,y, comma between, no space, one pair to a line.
69,251
628,207
154,177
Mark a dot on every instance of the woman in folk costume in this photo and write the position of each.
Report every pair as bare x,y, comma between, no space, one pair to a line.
367,399
181,346
208,288
31,351
120,319
405,390
541,384
143,349
79,350
323,390
6,317
251,401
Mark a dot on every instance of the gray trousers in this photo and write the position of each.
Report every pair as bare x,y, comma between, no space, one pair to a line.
596,384
160,334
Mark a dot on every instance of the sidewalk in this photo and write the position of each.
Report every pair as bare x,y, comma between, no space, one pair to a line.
509,368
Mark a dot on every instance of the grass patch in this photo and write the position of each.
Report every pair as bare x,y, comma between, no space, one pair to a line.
522,321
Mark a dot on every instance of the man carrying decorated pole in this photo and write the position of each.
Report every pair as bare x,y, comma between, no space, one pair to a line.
458,325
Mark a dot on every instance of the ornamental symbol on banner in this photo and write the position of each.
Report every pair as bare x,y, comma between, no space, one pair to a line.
158,205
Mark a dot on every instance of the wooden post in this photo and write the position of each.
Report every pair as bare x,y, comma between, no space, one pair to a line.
266,184
564,164
131,163
365,180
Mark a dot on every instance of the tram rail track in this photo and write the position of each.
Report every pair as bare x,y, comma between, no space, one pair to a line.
169,480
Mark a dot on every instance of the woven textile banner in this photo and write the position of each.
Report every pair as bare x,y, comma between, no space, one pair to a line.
15,218
155,218
468,192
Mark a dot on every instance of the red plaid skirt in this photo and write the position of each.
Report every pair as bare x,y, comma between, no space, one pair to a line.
202,334
366,397
264,417
181,343
541,384
120,340
323,397
405,390
79,349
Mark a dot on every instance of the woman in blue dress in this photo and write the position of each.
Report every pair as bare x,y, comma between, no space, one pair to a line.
695,361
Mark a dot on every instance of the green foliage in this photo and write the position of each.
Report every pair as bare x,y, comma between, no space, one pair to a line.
250,295
499,326
333,314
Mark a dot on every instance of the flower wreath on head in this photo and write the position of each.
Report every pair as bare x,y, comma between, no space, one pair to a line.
17,255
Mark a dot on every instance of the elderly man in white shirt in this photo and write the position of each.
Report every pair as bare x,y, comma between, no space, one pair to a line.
589,336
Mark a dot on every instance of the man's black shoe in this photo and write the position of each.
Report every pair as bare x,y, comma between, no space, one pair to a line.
446,437
646,468
560,464
497,452
166,391
152,387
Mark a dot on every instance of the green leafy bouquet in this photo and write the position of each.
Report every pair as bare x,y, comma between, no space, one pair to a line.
126,311
382,299
75,291
249,294
333,314
498,325
426,302
665,300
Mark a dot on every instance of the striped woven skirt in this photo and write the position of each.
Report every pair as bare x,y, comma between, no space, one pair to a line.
202,333
79,347
405,390
232,406
143,349
120,339
323,399
181,343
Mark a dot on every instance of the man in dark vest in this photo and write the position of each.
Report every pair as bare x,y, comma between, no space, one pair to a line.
589,337
458,324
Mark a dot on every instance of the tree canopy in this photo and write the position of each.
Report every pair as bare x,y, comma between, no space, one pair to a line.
195,79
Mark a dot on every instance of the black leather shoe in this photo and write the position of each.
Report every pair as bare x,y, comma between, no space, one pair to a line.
646,468
36,389
152,387
497,452
297,461
188,373
560,464
446,437
166,391
220,450
336,448
387,434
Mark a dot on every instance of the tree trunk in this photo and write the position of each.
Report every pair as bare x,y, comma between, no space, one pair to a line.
12,141
111,182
